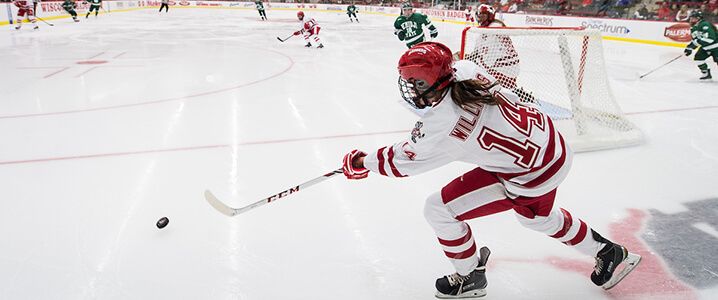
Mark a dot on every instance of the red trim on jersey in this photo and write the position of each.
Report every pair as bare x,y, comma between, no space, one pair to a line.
579,236
567,222
394,170
380,157
457,242
462,255
551,171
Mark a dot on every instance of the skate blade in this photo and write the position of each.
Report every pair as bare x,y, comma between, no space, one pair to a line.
630,263
468,295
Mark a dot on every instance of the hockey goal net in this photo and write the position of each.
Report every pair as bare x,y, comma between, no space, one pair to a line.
561,69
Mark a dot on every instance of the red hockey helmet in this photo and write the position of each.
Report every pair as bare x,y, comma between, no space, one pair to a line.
424,68
300,15
487,10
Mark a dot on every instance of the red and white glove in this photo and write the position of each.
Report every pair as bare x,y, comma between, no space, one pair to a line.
298,32
350,168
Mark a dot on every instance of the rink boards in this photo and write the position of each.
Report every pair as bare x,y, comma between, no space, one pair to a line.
646,32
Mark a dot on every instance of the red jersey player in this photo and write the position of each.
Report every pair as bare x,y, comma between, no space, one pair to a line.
520,157
310,28
24,10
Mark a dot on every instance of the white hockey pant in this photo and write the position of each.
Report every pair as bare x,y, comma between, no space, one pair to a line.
479,193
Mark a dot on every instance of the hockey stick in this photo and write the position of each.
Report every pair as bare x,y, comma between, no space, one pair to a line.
282,40
231,212
36,17
661,66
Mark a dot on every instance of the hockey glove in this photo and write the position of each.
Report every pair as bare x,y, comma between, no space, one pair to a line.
688,51
400,34
298,32
351,170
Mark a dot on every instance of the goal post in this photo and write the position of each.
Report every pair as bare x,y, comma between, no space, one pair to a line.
563,70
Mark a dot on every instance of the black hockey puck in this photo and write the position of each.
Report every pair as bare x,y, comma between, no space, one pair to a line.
161,223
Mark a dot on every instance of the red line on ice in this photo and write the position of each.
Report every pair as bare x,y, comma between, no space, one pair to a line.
56,72
126,153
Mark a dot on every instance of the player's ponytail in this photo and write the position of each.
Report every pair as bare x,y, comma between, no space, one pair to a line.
472,91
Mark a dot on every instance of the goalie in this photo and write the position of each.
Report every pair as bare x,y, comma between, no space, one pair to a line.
496,53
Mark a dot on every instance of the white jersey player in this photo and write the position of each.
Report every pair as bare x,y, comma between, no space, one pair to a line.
469,16
310,28
521,159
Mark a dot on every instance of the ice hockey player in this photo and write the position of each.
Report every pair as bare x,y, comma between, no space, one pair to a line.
166,5
260,9
704,36
352,11
496,53
69,6
94,5
310,28
469,16
521,160
486,16
408,27
25,11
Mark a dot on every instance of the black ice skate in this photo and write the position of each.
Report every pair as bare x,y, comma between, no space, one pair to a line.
706,75
308,45
17,27
455,286
608,261
320,46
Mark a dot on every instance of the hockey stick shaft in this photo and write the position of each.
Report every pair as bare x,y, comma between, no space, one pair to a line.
231,212
283,40
36,17
661,66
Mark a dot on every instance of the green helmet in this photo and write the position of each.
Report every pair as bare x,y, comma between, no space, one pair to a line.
406,5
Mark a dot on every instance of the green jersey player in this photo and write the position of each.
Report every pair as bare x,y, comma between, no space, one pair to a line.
409,26
352,11
704,36
260,9
94,5
69,6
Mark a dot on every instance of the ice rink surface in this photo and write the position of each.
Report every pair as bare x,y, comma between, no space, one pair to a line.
109,124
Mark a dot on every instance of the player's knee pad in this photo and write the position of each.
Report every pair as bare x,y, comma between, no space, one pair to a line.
548,225
435,211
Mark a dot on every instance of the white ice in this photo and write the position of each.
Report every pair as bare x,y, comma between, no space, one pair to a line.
165,106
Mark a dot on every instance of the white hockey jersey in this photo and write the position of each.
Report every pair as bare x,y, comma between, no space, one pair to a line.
514,140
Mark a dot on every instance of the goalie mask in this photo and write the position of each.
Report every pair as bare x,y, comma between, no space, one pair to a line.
424,69
488,13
